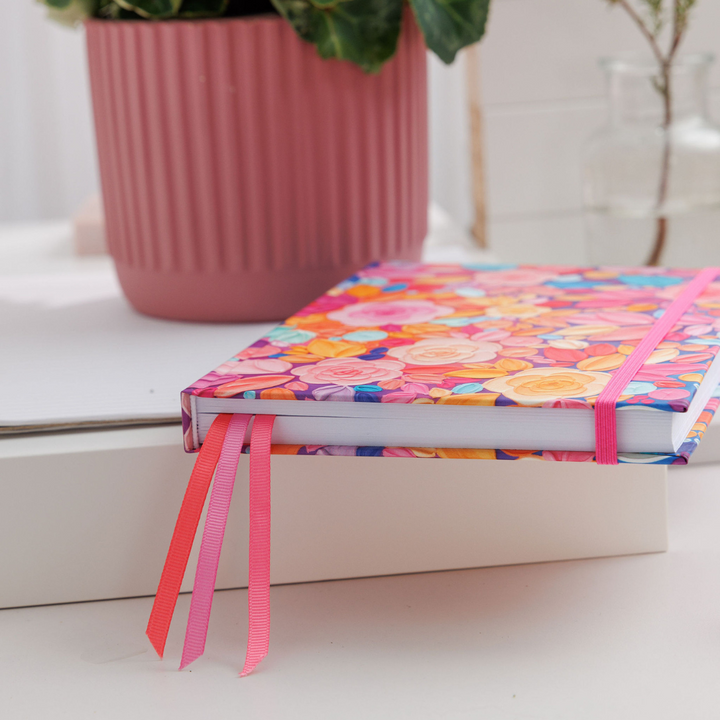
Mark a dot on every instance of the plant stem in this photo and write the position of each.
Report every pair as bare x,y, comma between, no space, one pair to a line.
661,223
664,87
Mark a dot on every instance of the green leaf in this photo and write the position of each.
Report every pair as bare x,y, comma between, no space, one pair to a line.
70,12
449,25
202,8
362,31
152,8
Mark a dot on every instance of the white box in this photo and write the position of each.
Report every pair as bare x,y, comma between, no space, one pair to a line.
89,515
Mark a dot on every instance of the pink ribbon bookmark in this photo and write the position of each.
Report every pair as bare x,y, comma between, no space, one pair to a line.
212,539
605,413
184,534
259,570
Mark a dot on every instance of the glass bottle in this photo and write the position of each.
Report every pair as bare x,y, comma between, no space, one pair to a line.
652,174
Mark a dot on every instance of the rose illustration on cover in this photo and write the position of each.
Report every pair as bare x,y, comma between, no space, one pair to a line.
480,335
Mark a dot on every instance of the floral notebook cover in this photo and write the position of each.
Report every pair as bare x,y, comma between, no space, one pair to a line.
514,335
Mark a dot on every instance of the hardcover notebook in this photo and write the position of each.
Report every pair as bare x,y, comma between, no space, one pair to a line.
451,361
448,356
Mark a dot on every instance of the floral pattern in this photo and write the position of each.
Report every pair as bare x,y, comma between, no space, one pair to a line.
480,335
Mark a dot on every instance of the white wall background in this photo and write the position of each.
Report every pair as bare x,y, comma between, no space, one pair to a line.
543,96
47,158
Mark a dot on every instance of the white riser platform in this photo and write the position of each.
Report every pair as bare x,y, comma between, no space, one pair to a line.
86,516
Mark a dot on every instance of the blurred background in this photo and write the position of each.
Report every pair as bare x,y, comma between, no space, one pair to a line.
543,95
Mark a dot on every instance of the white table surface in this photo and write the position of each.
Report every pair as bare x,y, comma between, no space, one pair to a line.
87,357
611,639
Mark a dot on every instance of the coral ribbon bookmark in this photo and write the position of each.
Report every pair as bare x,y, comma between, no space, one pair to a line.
605,414
259,566
184,534
212,540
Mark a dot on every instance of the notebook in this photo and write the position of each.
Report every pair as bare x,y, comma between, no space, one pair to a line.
444,361
406,355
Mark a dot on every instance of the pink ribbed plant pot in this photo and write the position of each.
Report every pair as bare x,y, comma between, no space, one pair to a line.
242,175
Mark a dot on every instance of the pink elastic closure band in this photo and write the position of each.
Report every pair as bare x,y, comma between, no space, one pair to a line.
212,539
605,415
259,570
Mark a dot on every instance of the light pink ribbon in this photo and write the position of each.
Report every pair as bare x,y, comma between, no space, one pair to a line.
605,414
259,566
212,539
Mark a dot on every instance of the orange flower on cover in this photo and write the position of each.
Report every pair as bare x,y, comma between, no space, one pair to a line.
363,291
250,383
296,359
424,329
513,365
335,348
466,453
478,373
277,393
285,449
539,385
437,392
469,399
602,362
516,352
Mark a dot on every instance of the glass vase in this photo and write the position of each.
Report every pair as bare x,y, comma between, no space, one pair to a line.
652,174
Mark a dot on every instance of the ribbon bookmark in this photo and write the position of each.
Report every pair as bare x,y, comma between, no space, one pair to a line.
212,540
184,534
259,566
605,413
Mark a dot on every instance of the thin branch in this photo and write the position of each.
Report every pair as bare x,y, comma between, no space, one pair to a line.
643,29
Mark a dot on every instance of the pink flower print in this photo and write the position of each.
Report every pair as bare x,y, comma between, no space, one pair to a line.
636,332
651,373
515,277
418,388
568,456
491,335
348,371
255,352
392,312
615,298
336,393
567,404
669,394
398,452
445,351
326,303
614,317
399,397
257,366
